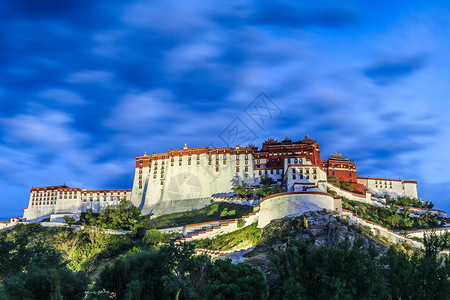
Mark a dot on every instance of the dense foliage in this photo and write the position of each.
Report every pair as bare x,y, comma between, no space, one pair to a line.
267,187
246,237
45,263
31,268
123,216
213,212
391,217
341,184
175,273
407,201
345,271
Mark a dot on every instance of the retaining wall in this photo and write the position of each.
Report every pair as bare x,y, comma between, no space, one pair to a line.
229,226
421,232
294,204
352,196
241,201
379,230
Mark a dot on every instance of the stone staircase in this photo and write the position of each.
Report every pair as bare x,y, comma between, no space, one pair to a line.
211,229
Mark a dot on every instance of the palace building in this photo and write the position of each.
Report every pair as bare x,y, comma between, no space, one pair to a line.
56,201
186,179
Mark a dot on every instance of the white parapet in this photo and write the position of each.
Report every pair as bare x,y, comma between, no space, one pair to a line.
294,204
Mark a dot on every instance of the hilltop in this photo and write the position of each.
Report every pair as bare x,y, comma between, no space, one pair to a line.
280,260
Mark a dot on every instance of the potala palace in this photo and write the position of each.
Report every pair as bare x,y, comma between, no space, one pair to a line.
191,178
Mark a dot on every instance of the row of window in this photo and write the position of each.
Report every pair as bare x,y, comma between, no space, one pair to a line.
43,203
74,194
314,171
277,171
385,186
98,199
294,160
381,182
172,160
294,176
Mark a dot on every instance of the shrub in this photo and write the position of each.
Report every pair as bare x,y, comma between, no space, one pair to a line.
240,223
69,220
226,213
347,186
334,181
123,216
153,237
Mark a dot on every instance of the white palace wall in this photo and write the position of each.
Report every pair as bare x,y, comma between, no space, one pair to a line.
183,186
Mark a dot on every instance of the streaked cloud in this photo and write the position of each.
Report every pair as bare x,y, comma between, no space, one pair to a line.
391,70
85,86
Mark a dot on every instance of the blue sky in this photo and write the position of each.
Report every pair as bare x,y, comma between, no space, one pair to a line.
86,85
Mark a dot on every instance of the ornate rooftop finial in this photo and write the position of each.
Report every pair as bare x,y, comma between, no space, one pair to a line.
185,146
237,145
145,153
336,156
287,140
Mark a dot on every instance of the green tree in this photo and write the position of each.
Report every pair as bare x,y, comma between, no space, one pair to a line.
243,189
343,271
69,220
50,283
153,237
399,273
347,186
240,281
334,181
226,213
266,180
173,272
88,217
123,216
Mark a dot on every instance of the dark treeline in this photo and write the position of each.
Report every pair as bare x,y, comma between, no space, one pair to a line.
30,269
357,271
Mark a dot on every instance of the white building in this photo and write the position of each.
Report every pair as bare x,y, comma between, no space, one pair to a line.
393,187
185,179
56,201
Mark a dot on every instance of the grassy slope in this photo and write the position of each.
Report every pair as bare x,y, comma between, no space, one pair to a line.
245,237
210,213
83,250
389,218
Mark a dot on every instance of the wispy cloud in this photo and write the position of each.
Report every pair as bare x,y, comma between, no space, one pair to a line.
84,86
391,70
